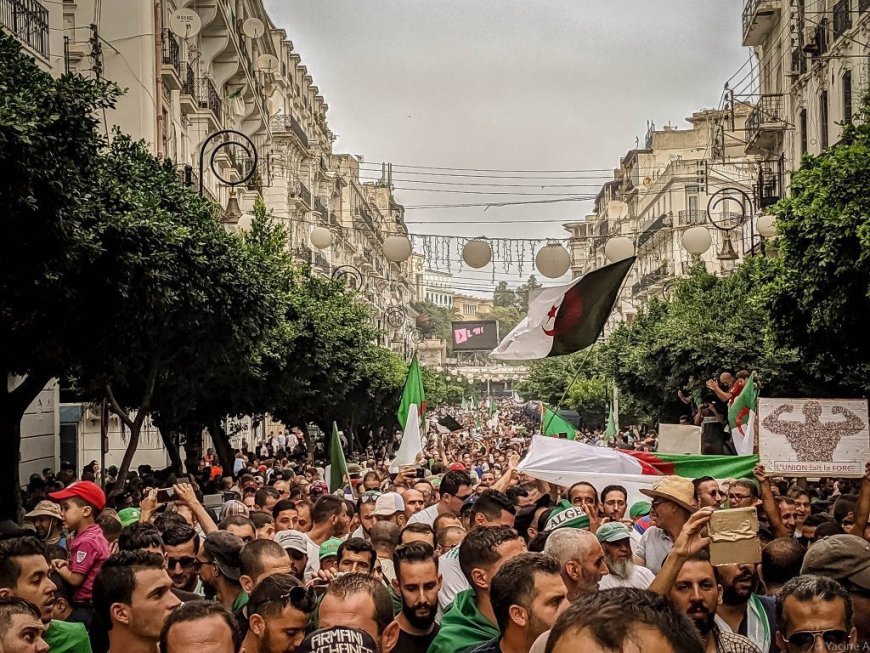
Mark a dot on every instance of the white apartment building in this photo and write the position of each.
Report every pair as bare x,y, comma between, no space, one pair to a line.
438,287
813,67
667,186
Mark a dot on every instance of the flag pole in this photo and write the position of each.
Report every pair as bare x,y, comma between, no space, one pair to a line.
567,388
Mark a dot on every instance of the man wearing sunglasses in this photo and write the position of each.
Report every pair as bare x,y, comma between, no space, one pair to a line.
814,614
181,544
455,489
279,612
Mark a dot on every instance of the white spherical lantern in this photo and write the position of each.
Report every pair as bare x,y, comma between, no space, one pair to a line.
321,237
470,381
766,226
477,253
697,240
618,249
397,248
553,261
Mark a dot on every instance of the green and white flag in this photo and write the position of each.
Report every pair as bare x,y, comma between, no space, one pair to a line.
413,393
337,471
610,430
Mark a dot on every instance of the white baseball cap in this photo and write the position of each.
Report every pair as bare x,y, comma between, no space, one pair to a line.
389,504
292,540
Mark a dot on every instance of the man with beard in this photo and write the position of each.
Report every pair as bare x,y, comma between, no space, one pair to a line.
580,557
417,582
615,539
331,519
744,612
697,594
219,564
614,502
527,596
279,611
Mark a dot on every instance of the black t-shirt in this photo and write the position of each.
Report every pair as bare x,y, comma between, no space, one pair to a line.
409,643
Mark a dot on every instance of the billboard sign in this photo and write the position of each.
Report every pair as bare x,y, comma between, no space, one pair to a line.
481,335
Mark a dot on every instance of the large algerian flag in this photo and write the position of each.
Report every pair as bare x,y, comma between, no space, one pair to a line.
337,472
564,464
553,424
493,407
413,393
411,445
565,319
741,418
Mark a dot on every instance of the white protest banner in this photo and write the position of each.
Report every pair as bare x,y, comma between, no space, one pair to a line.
813,437
679,438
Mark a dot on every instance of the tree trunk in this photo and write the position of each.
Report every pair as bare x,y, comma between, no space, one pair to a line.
126,461
193,448
172,449
13,404
222,446
10,488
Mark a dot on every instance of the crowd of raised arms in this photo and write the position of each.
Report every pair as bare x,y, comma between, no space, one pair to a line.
457,553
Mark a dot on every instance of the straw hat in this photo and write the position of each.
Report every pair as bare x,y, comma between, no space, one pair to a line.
45,509
674,488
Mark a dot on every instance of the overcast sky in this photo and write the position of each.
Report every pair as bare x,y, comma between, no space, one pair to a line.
531,85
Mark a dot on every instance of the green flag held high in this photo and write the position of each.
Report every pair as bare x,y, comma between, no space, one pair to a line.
337,463
610,431
553,424
464,403
492,407
413,393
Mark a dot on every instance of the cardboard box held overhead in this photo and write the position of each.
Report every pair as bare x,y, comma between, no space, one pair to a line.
734,535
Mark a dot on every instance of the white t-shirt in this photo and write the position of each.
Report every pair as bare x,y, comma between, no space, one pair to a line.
453,580
641,578
425,516
313,565
292,441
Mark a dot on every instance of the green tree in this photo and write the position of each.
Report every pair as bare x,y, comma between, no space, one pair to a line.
524,290
50,147
503,296
178,295
820,303
506,316
434,320
710,324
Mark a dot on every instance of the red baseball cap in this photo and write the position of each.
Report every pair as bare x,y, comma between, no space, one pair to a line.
85,490
457,467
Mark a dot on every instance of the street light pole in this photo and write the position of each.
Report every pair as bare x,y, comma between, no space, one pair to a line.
250,149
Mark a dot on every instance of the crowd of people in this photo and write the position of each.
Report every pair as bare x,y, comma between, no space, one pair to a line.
457,553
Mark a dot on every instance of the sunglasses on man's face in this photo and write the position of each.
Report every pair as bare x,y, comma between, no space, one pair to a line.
186,562
804,640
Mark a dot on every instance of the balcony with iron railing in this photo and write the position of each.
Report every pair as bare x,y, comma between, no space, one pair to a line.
305,194
769,186
27,20
207,96
765,124
286,123
691,218
320,208
759,19
863,5
651,230
171,51
650,279
842,17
